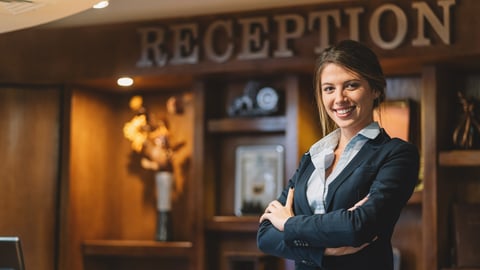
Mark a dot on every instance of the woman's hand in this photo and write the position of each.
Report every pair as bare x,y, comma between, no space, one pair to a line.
277,213
359,203
340,251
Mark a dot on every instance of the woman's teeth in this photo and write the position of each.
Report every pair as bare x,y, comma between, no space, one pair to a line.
344,111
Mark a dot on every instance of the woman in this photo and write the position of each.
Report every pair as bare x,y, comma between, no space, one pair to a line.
341,205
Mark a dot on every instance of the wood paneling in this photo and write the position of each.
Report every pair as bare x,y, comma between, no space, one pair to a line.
110,196
29,171
407,237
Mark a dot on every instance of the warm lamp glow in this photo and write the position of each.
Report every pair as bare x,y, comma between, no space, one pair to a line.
101,4
125,81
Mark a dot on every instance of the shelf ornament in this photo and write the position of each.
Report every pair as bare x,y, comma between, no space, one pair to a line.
150,137
256,100
467,133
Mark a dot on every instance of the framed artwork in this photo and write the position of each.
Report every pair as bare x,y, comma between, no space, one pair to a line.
259,171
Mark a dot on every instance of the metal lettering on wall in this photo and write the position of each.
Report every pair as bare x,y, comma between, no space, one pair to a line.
252,38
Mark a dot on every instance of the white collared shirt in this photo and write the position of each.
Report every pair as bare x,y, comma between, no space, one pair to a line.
322,154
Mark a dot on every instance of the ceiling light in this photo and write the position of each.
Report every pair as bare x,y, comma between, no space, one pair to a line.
125,81
101,4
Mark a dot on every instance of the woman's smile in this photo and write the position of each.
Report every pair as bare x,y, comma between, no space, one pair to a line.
344,112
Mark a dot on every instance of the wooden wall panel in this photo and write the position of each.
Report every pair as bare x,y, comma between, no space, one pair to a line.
407,237
110,196
29,151
98,177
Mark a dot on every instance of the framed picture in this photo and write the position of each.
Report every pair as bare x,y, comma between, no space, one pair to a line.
259,171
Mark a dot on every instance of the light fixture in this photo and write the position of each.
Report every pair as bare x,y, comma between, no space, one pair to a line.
125,81
101,4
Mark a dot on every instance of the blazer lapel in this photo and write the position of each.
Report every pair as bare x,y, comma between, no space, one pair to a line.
301,200
367,150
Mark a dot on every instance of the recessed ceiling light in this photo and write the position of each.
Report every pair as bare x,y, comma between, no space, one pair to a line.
125,81
101,4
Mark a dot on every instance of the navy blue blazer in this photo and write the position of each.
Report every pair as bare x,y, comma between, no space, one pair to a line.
387,170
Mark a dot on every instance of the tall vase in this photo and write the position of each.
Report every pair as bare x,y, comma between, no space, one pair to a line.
163,185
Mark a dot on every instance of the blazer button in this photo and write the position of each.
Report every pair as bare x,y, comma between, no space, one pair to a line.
307,262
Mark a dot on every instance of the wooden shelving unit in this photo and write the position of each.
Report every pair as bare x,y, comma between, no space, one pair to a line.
245,124
233,224
459,158
136,248
443,164
223,134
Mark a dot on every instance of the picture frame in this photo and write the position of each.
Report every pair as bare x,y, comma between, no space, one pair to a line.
259,174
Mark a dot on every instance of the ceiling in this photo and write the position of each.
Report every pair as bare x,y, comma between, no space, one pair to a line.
21,14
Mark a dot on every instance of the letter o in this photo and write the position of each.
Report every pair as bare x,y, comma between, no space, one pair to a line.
374,26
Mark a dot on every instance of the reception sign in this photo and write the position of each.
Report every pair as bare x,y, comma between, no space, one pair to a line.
387,26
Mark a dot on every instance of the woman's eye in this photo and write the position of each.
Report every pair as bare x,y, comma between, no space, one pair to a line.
328,89
351,86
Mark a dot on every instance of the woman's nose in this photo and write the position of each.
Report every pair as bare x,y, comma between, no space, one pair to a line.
340,96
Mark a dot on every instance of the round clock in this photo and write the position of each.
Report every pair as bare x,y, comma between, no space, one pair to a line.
267,99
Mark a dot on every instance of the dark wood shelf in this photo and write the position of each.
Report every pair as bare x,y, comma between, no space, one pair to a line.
460,158
233,223
136,248
248,124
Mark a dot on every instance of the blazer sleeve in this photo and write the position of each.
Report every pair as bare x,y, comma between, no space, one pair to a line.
393,184
271,241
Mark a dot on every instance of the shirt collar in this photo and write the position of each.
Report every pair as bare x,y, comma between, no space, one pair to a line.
330,141
371,131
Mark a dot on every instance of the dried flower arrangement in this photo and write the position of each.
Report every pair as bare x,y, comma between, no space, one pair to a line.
150,136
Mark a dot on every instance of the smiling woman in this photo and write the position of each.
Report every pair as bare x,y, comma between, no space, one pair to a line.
350,187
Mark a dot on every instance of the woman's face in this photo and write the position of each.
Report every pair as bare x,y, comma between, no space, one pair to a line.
347,98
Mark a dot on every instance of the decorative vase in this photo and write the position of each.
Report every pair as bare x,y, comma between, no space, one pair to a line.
163,185
467,133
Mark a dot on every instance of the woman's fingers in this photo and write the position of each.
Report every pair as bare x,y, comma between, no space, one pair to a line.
272,205
262,218
340,251
276,210
359,203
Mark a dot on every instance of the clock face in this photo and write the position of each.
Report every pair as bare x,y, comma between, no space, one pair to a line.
267,99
